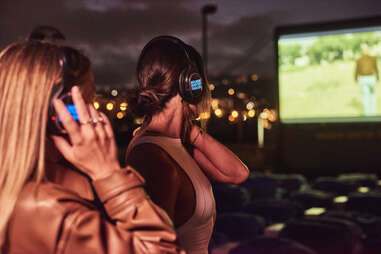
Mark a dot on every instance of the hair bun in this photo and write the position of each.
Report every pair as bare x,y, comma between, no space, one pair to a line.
147,101
149,95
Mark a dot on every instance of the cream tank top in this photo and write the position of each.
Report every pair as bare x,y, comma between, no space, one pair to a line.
194,235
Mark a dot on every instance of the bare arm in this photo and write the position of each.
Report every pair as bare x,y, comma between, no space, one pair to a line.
217,161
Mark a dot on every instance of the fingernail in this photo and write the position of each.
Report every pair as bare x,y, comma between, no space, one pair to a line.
75,89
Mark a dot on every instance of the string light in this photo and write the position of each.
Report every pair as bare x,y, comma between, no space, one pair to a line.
250,105
109,106
218,112
220,107
114,92
251,113
123,106
254,77
235,113
241,95
119,115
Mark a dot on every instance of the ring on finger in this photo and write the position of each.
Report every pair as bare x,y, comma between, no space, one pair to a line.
100,119
90,120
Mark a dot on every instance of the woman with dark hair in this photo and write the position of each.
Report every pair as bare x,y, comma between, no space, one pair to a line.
39,215
176,156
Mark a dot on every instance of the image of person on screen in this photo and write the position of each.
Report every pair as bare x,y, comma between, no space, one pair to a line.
366,75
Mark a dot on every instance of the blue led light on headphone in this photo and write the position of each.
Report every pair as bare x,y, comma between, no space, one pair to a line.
73,112
196,84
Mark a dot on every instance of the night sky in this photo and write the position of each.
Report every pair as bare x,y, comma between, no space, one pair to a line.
112,32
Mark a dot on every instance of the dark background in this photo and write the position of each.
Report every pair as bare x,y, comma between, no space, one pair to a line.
240,43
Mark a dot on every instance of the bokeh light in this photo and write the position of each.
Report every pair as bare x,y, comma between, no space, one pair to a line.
250,105
109,106
114,92
218,112
214,103
123,106
251,113
120,115
254,77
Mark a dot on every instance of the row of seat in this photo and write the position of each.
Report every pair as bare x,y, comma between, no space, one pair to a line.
326,215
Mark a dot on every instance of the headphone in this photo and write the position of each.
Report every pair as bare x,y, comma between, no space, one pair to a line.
191,80
62,91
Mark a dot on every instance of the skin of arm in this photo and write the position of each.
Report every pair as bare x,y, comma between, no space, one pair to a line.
217,161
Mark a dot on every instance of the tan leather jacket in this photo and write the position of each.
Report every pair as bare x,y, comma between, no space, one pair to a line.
51,219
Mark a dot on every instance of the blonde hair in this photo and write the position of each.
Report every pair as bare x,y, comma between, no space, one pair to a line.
28,72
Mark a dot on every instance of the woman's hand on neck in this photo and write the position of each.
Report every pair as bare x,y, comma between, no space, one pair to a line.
168,122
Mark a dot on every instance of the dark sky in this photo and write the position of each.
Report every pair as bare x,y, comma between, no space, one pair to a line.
112,32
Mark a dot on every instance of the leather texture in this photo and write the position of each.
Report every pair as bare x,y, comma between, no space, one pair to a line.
49,218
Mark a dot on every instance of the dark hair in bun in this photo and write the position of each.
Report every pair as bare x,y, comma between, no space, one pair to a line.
158,70
159,66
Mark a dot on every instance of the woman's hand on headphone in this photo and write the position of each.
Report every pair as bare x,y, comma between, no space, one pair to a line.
92,148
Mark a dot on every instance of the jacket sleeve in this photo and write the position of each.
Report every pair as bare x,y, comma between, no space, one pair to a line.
139,225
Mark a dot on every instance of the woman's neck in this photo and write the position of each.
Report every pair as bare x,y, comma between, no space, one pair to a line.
169,121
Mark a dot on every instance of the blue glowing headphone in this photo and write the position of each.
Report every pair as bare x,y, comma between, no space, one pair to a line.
62,91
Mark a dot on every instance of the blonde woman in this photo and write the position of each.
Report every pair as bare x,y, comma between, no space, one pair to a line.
38,216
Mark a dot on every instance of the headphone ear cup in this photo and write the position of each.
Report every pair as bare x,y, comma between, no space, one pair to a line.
184,86
190,86
57,92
